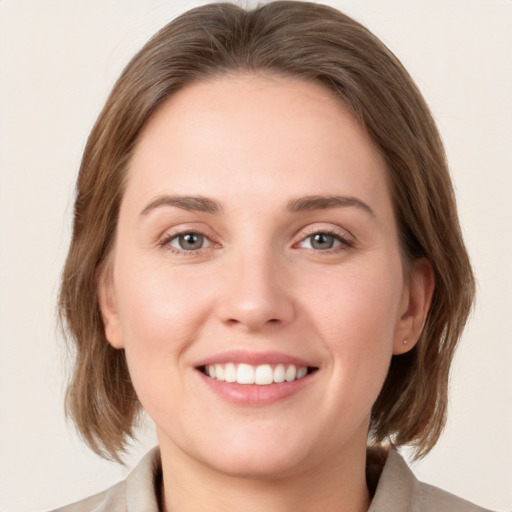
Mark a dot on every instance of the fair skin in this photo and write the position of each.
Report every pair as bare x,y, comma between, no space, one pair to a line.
256,234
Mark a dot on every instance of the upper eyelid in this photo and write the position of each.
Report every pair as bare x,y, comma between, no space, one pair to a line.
174,231
332,230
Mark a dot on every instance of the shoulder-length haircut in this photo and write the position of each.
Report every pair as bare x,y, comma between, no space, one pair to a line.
311,42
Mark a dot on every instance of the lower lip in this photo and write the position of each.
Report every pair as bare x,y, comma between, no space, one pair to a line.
254,395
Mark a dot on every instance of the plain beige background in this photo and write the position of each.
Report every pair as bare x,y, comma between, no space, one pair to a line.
58,60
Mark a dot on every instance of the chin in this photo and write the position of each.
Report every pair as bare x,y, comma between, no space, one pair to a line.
253,453
257,464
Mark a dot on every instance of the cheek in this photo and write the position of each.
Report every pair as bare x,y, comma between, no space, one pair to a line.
356,303
157,304
160,312
356,311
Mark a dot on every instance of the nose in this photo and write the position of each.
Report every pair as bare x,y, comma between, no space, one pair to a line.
256,293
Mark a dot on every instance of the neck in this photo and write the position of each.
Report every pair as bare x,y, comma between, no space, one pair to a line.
191,486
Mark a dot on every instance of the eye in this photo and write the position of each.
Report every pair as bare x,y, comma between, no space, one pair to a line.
320,241
325,241
190,241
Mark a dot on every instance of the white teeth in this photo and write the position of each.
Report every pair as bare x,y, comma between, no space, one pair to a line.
262,375
245,374
230,373
291,373
301,372
279,373
219,372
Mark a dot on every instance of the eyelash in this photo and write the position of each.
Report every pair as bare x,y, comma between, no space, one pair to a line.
166,242
345,243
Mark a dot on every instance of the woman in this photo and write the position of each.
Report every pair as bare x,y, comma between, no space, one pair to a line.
266,258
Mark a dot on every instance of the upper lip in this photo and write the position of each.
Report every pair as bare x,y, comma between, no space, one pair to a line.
253,358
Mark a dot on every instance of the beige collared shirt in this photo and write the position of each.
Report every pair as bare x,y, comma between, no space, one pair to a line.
397,490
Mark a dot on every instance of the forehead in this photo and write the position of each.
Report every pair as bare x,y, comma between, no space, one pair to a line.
242,133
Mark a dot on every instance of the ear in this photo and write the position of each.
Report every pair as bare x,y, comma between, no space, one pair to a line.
108,307
414,307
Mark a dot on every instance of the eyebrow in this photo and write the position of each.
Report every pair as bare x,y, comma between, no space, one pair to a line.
302,204
325,202
189,203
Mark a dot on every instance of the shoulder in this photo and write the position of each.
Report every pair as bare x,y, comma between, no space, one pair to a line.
433,498
113,500
139,490
398,490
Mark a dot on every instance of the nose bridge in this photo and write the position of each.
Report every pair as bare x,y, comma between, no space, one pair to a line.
256,294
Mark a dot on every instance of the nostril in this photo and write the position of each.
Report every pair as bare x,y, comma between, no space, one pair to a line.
272,321
255,314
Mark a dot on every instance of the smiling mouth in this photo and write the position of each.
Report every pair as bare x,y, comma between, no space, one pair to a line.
260,375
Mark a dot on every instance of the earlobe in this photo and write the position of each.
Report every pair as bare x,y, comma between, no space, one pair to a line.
418,292
108,308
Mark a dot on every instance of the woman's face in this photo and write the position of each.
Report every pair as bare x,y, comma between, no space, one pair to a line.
257,243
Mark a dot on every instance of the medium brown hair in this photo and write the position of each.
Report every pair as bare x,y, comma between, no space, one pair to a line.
312,42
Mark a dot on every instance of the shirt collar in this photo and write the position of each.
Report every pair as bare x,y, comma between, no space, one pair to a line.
393,491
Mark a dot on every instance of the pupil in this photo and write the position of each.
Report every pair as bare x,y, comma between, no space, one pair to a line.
191,241
323,241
